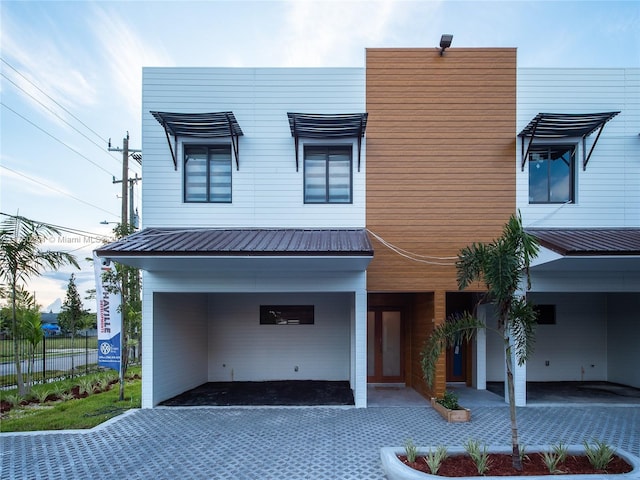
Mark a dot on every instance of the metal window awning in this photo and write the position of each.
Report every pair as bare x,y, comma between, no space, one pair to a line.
199,125
315,125
565,125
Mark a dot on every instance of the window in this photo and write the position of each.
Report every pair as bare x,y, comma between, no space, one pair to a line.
551,173
286,315
207,173
545,314
327,174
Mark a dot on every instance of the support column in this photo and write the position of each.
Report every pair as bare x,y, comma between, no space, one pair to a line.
148,394
480,368
519,380
440,313
520,371
520,384
359,343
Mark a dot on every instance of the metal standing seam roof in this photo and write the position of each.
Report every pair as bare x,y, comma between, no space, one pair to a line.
565,125
241,242
200,125
594,241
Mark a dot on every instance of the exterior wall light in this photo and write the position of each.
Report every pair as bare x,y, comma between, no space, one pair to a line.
445,42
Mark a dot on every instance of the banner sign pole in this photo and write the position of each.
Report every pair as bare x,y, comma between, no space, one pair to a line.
109,318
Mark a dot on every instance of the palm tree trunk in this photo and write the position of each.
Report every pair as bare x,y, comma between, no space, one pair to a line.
16,353
515,443
16,349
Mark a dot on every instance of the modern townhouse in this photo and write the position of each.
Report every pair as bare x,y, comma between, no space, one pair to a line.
578,188
303,224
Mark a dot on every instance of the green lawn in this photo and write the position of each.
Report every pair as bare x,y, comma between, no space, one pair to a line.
51,345
74,414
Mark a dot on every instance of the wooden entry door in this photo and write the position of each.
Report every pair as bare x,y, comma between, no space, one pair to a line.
384,346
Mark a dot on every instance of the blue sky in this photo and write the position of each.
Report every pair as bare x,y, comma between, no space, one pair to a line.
71,77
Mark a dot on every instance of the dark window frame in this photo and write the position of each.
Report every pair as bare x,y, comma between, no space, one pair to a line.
210,148
328,148
535,163
545,314
287,314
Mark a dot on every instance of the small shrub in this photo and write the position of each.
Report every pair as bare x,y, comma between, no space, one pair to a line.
66,396
14,399
478,454
599,454
449,400
103,382
85,385
42,394
522,453
560,449
434,459
551,460
58,391
411,450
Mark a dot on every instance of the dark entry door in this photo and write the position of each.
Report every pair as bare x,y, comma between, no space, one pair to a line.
457,362
384,346
458,355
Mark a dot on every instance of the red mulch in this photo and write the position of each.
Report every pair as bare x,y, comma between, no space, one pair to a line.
500,465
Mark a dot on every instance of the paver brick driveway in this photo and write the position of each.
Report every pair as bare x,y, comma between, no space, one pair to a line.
288,443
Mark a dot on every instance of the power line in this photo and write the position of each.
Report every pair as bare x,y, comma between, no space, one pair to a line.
101,147
95,238
56,139
57,190
53,100
75,231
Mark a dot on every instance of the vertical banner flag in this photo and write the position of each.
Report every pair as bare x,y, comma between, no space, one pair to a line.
109,318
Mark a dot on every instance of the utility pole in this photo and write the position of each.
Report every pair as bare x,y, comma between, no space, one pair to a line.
125,178
125,230
126,151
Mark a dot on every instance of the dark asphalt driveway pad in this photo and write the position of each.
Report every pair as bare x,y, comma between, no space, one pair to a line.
282,393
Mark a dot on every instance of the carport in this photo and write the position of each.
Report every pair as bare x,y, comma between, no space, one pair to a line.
585,284
231,305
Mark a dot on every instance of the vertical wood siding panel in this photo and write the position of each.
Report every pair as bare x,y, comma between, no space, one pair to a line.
440,158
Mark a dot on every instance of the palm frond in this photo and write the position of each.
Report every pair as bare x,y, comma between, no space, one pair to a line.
470,264
456,328
522,326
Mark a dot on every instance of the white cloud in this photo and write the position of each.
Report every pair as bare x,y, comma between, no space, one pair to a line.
125,53
331,33
48,64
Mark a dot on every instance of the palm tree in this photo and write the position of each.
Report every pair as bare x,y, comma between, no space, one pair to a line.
20,259
501,265
31,329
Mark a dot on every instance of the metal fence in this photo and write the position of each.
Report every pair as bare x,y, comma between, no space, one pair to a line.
55,357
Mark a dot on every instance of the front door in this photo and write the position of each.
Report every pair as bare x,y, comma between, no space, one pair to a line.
457,362
384,346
